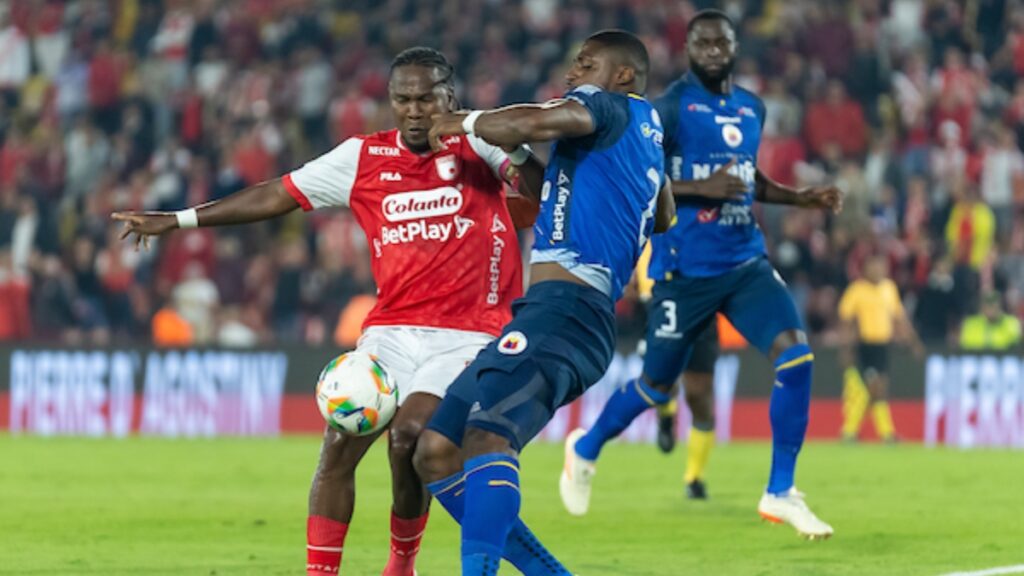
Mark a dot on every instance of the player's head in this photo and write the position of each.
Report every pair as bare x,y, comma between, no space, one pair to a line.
876,268
711,45
615,60
422,84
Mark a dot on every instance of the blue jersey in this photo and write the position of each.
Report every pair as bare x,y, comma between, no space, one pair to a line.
600,191
703,132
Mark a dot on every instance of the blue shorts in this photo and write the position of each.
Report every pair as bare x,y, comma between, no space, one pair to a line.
559,344
752,296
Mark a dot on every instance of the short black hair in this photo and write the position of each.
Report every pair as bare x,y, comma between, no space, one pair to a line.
428,58
709,14
630,48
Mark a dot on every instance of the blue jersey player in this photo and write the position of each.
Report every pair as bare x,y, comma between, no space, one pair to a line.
604,193
713,260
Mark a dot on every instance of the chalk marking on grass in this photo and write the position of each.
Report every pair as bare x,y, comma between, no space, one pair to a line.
1018,569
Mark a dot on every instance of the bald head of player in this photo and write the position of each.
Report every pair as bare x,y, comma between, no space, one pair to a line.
422,84
711,47
615,60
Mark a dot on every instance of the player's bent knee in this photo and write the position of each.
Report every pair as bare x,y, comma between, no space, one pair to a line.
403,438
480,441
436,457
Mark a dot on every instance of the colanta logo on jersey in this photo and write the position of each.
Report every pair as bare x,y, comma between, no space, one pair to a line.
698,107
421,204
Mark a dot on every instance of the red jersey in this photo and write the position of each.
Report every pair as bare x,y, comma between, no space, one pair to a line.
443,248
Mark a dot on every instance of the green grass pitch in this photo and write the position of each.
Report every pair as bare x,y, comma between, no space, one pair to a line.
226,507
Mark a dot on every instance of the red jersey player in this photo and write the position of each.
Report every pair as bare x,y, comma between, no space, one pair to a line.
447,266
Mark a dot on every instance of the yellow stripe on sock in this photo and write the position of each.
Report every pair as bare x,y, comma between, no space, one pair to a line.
482,466
503,483
795,362
650,401
453,485
698,452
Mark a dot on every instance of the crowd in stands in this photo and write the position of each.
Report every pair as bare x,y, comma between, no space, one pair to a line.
915,108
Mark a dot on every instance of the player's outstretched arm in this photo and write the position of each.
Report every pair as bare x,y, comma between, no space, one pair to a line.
771,192
260,202
518,124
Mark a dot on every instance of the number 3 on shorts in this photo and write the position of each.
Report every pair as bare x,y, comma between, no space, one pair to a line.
671,319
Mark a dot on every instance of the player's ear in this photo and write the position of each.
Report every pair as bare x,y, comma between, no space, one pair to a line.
625,75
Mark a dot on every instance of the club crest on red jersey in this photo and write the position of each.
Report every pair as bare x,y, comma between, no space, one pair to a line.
512,343
447,167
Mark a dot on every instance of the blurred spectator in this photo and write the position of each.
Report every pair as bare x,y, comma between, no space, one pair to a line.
992,329
836,120
15,58
970,230
1002,177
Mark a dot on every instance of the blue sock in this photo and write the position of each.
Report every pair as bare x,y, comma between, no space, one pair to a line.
491,507
522,548
628,402
788,411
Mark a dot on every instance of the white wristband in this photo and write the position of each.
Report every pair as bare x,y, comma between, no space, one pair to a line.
187,218
519,156
470,120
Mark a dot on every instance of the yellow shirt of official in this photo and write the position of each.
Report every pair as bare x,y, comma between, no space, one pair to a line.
874,307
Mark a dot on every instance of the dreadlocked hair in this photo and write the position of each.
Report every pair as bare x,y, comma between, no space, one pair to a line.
428,58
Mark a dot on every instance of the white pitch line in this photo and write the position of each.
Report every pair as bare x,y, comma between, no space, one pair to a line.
1018,569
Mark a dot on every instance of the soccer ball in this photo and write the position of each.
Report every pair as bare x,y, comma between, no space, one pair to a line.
356,395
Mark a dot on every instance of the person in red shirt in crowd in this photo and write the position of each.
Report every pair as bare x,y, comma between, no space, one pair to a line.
434,221
836,119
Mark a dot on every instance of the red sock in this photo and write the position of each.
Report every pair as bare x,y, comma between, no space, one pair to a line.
325,539
405,543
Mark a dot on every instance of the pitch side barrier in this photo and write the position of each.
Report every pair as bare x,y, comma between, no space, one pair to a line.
963,400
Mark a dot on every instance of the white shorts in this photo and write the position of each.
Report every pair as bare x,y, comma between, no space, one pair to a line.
421,359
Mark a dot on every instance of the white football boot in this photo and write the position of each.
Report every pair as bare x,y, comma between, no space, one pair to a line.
792,509
577,475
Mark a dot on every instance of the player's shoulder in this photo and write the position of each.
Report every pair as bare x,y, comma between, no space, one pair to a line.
749,98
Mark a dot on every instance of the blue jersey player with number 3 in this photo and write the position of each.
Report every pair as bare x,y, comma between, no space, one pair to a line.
604,193
713,260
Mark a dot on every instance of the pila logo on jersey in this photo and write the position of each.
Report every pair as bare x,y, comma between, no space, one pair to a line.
732,135
447,167
512,343
698,107
707,215
747,111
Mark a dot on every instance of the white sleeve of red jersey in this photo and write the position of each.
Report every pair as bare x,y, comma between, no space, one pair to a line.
494,156
327,180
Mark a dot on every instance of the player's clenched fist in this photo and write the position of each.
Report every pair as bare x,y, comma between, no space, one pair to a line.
144,225
826,197
447,124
